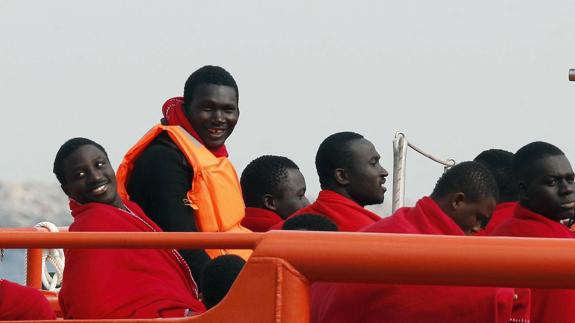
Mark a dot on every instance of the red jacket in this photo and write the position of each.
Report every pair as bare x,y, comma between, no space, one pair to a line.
503,211
371,303
547,305
19,302
260,220
345,213
124,283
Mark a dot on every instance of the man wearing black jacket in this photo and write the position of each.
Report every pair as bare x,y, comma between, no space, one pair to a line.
162,176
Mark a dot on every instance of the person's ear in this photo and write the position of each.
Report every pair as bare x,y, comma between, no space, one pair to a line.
269,202
340,176
457,200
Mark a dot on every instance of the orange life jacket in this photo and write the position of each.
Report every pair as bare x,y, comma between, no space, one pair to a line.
215,195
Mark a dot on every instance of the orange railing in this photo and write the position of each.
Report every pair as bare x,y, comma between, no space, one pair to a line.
273,287
33,257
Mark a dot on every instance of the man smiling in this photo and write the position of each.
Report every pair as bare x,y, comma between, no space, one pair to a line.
179,172
138,283
546,186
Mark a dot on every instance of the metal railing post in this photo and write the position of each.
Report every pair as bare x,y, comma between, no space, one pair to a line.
34,268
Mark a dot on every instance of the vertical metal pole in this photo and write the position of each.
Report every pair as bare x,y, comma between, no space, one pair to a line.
34,268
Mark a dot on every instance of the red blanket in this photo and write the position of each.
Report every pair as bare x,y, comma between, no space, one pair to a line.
503,211
260,220
547,305
345,213
124,283
411,303
19,302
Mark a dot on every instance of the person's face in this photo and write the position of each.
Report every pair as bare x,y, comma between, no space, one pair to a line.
89,177
365,175
292,194
213,113
548,188
472,216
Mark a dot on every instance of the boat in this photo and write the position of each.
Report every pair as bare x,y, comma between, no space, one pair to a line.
273,287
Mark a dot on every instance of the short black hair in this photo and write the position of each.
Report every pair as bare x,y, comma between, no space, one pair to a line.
333,153
66,149
218,277
310,222
531,153
264,175
208,74
470,178
500,163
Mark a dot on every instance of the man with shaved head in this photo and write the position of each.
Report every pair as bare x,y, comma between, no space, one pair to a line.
545,181
273,188
461,204
179,172
351,177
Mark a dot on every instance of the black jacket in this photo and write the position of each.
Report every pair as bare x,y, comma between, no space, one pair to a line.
159,182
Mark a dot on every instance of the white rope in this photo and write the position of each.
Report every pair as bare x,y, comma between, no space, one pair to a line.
400,144
447,163
56,258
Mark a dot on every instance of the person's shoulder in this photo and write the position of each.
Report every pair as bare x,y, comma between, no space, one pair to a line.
162,153
134,207
516,227
18,291
311,208
98,217
138,211
385,225
398,222
11,287
162,147
506,228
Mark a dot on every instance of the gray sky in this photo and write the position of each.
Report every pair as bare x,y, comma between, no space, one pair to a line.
456,76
